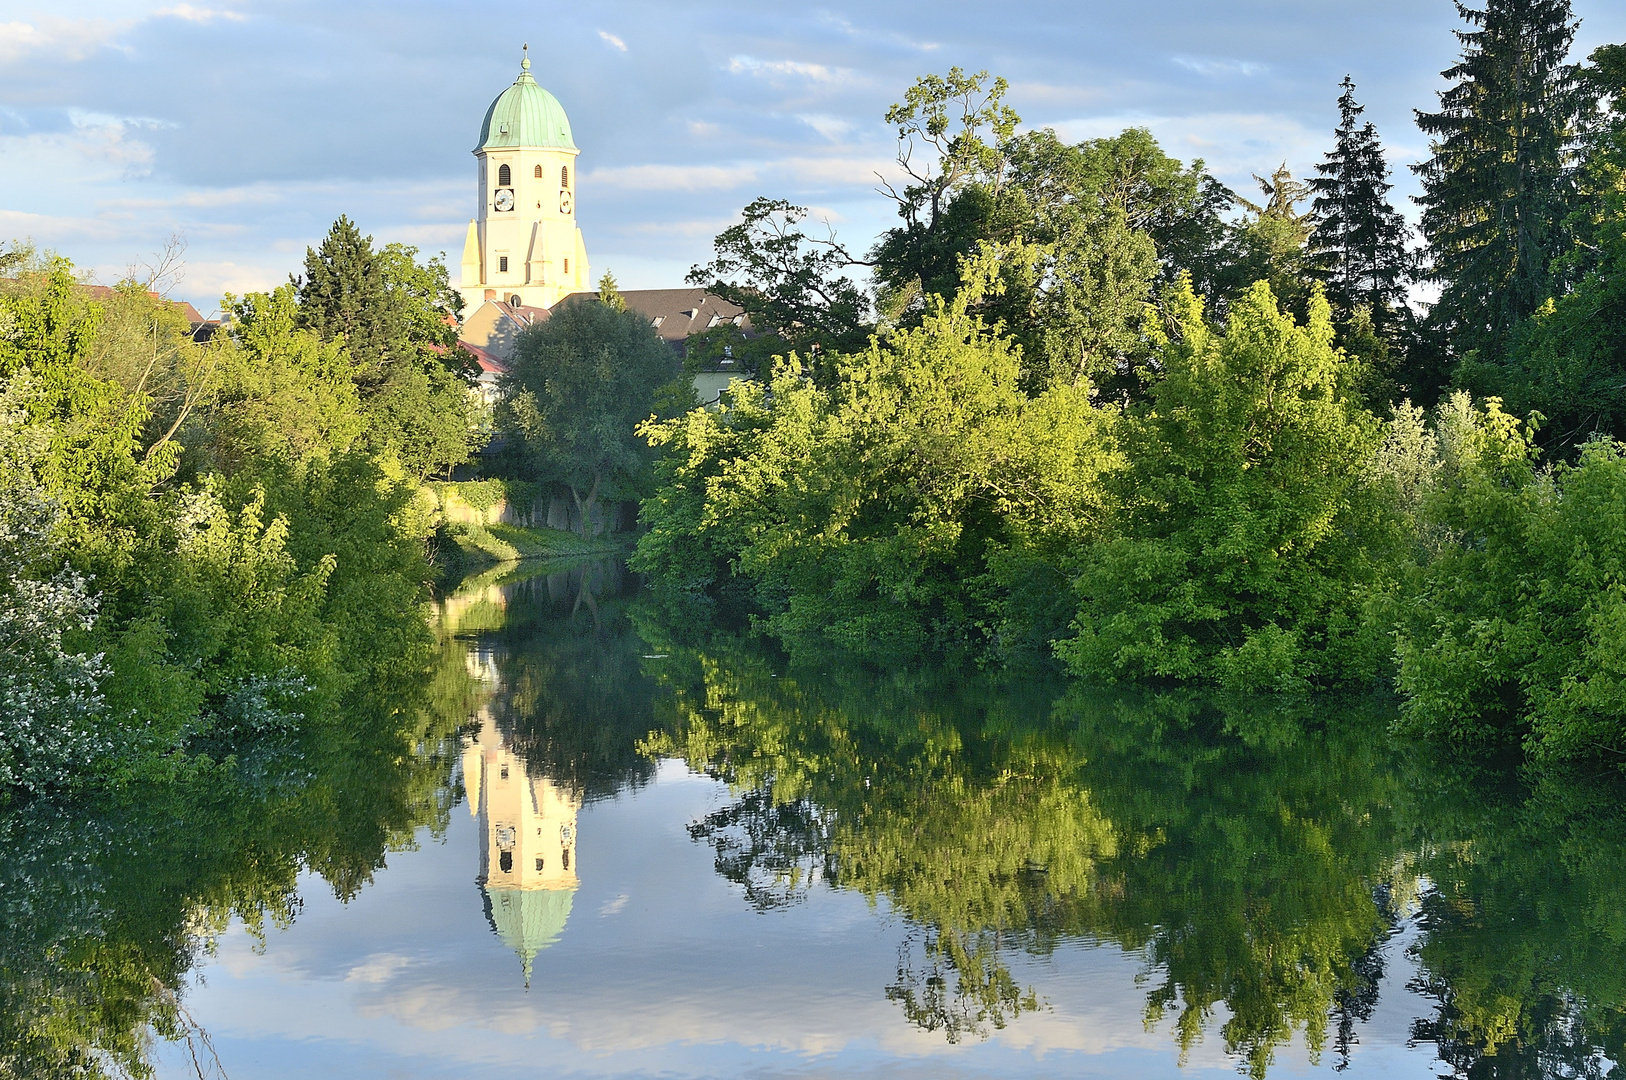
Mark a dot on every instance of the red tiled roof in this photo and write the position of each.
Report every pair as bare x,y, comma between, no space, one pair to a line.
487,362
106,292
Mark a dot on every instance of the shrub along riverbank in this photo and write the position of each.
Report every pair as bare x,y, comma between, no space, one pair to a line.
206,543
1249,523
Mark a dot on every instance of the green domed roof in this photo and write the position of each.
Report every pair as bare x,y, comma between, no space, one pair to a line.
528,920
525,115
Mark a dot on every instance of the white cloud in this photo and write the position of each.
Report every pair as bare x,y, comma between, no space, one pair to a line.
198,15
65,39
84,118
831,127
749,65
613,41
674,177
866,35
377,969
706,228
1220,67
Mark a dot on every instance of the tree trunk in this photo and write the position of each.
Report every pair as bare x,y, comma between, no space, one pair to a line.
585,509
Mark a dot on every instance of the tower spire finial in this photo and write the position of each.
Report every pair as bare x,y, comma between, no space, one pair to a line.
525,62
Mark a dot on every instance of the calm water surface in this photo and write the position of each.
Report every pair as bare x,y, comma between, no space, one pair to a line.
608,854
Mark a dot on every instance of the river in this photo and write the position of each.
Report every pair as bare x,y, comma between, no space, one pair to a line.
603,849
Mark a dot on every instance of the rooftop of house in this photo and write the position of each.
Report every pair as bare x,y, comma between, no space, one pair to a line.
679,314
106,292
675,314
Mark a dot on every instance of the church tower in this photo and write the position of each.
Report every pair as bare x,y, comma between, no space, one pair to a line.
523,242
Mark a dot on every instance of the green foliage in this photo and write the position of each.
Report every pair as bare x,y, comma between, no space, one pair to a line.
1247,542
952,133
1271,244
244,594
581,383
395,319
1359,243
1497,188
1568,362
609,294
281,394
790,284
864,513
1513,625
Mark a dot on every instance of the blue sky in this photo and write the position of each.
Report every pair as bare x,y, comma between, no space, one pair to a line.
247,126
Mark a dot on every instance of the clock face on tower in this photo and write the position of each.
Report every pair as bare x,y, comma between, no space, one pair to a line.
505,199
564,202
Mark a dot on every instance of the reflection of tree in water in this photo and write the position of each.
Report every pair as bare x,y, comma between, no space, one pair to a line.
1245,856
575,698
956,983
105,905
774,851
1524,946
1353,1003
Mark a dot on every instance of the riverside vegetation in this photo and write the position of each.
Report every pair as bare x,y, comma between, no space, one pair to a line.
1087,415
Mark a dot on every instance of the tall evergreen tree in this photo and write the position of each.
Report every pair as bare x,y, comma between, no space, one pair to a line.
1500,180
395,318
341,295
1359,248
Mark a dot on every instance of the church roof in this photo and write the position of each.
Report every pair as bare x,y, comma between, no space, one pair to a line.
525,115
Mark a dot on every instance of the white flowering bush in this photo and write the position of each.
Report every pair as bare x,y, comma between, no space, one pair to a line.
50,699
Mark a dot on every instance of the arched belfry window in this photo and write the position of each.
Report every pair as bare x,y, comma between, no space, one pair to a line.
564,177
538,173
505,176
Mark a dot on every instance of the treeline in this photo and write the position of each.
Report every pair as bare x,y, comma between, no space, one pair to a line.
1083,409
209,540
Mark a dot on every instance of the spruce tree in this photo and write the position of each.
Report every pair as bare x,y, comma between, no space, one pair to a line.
1501,177
342,294
1359,248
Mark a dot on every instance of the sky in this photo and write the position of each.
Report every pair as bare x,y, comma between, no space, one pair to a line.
247,126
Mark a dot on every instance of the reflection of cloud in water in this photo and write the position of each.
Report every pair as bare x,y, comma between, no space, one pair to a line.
682,981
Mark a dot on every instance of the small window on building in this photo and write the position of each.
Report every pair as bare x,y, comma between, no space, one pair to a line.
539,862
538,172
506,862
505,176
502,264
564,858
657,320
505,772
567,266
515,300
564,177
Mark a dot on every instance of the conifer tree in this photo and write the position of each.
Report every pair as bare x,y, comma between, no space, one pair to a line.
1499,183
341,294
1358,249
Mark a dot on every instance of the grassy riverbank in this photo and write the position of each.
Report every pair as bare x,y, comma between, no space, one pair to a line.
461,547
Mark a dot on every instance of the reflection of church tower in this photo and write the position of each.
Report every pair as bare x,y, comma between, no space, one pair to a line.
528,845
